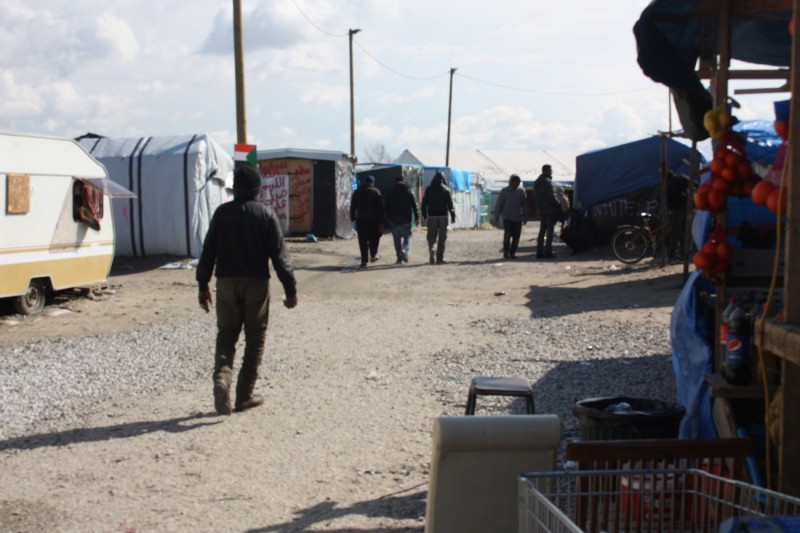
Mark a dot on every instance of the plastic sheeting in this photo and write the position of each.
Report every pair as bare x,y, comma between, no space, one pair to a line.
179,182
614,172
692,357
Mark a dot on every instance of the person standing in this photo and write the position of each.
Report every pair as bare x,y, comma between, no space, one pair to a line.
366,210
512,206
243,237
437,202
549,209
400,204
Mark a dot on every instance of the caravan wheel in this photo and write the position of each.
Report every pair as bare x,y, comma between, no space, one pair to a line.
32,302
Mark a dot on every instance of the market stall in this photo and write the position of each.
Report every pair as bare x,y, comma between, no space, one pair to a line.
680,43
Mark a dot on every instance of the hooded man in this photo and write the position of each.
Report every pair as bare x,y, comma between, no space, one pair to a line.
366,210
436,204
512,206
400,204
243,237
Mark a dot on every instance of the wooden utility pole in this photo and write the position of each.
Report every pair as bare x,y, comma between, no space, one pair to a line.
449,115
350,34
238,52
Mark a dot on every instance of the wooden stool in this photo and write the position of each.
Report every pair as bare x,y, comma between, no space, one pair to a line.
488,386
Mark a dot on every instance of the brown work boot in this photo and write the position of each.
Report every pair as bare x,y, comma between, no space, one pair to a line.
222,391
254,401
222,396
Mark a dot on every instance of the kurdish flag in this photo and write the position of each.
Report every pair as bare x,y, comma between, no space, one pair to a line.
245,154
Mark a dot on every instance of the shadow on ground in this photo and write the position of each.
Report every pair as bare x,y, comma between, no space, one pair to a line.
643,294
98,434
397,506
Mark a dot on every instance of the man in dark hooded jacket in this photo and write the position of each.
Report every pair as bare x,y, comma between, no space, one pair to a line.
436,204
400,204
244,236
366,210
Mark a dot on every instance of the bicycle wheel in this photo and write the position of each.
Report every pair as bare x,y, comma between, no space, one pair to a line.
630,244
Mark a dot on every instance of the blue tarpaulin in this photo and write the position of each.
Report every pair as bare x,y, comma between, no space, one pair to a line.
692,356
614,172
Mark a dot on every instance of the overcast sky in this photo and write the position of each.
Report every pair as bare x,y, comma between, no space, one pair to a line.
531,75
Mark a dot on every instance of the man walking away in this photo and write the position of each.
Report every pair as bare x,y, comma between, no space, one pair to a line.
400,204
436,204
512,206
243,237
549,209
366,210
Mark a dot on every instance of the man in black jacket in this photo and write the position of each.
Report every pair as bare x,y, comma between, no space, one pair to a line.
366,210
400,204
244,235
549,209
436,204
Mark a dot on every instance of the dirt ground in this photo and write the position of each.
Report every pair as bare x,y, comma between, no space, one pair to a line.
343,441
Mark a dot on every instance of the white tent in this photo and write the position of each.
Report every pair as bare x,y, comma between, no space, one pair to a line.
495,166
179,182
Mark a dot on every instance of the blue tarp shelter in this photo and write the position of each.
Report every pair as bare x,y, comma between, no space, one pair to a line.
614,172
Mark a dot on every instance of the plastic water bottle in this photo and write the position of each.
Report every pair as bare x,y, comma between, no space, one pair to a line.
736,366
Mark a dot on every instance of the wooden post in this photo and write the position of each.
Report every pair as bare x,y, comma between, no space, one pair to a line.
449,115
238,52
789,460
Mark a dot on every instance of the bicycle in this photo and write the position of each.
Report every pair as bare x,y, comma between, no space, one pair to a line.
631,242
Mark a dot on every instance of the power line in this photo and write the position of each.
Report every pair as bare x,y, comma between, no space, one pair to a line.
393,71
478,80
314,25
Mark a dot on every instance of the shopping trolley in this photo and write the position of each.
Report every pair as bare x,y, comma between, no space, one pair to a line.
652,501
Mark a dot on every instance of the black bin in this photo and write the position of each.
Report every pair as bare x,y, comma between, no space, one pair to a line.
611,419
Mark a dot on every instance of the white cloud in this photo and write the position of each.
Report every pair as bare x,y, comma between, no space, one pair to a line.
116,37
18,101
326,95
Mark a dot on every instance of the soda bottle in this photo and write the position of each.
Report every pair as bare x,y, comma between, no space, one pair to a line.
736,366
725,322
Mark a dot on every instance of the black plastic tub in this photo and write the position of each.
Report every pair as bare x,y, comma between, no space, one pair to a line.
622,417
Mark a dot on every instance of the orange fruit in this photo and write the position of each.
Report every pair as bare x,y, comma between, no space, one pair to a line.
743,170
701,197
716,165
720,185
703,260
717,200
761,192
772,202
782,129
728,173
732,159
723,250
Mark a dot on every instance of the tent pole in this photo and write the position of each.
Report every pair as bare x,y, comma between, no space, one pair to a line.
687,231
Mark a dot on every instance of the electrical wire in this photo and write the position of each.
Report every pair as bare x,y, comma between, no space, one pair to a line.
478,80
315,26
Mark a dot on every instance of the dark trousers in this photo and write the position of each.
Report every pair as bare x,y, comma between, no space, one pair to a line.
544,242
241,302
511,232
369,236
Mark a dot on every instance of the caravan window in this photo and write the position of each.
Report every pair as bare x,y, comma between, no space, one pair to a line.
87,204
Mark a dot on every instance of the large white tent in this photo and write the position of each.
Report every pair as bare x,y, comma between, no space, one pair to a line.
495,166
179,182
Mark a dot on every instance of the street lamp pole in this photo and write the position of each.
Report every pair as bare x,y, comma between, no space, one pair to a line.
350,34
238,50
449,115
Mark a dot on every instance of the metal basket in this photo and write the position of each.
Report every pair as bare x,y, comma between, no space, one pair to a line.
667,500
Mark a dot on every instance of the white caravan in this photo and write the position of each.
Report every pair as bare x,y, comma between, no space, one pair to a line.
56,229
